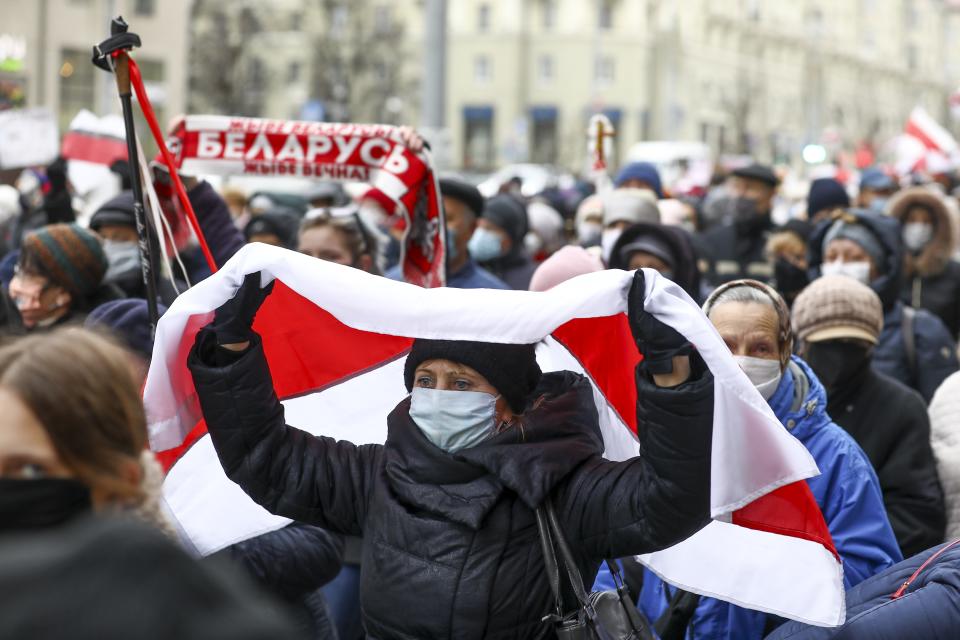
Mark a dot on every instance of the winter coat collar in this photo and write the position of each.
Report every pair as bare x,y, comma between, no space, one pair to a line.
800,401
553,437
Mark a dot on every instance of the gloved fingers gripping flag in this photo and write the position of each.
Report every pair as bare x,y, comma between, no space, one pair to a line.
335,338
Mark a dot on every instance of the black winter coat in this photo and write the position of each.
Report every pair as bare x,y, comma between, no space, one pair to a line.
735,251
939,294
889,421
451,548
293,563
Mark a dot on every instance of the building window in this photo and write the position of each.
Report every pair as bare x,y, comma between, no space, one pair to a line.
144,7
77,85
605,15
604,71
339,18
482,70
911,16
293,71
483,17
549,14
383,19
544,138
478,138
545,70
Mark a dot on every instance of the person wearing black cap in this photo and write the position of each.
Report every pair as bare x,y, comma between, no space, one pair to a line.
736,250
446,505
462,207
498,245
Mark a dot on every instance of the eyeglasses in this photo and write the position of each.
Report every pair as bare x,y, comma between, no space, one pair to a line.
28,289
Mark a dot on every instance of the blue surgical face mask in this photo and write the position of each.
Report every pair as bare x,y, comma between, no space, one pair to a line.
451,244
485,245
453,420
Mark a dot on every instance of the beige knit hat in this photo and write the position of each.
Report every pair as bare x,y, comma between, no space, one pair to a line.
837,307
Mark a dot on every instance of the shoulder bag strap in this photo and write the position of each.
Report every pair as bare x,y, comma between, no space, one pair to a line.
550,559
573,572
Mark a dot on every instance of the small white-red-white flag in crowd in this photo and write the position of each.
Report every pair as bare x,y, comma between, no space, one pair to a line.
335,340
924,142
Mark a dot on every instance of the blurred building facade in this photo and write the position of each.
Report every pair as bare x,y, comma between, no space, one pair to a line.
332,60
745,76
45,54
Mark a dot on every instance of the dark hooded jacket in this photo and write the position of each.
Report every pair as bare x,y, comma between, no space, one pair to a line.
889,421
929,608
935,350
516,267
737,250
685,270
450,544
931,277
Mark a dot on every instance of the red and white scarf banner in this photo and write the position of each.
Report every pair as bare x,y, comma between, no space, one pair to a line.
335,339
376,154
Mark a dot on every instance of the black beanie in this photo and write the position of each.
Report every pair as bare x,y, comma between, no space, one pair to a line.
512,369
509,214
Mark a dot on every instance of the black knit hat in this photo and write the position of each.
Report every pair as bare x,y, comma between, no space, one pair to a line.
117,211
512,369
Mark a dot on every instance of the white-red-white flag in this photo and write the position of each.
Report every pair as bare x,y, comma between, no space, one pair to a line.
335,339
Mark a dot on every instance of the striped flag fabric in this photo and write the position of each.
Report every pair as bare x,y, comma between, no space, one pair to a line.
335,340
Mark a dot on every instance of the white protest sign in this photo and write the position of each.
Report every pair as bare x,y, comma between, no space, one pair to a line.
28,137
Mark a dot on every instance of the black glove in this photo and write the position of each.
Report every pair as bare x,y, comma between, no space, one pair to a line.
657,342
232,322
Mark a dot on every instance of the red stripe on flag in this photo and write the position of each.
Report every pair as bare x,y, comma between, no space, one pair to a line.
791,510
606,350
91,147
913,129
308,350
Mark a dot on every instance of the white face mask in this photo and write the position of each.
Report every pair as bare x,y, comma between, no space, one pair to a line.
453,420
607,240
917,235
764,374
859,271
123,258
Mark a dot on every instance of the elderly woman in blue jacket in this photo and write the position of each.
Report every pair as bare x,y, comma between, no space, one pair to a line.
754,322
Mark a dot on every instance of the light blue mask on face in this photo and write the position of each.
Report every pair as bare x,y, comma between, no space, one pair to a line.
453,420
485,245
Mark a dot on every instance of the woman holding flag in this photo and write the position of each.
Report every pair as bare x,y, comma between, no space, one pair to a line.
446,505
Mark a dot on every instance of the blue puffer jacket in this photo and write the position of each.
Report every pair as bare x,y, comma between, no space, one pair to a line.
935,349
847,492
930,607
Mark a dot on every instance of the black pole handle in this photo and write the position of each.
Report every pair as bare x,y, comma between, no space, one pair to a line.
120,40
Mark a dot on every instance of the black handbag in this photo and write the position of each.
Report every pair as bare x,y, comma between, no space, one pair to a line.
599,615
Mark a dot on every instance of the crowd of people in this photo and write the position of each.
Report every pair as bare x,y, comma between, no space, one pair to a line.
844,316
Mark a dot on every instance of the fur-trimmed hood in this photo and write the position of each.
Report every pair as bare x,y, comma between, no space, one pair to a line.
933,259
